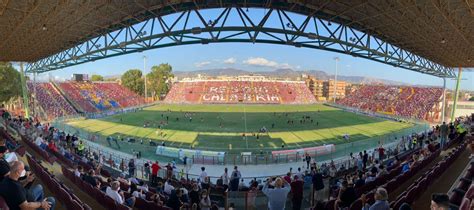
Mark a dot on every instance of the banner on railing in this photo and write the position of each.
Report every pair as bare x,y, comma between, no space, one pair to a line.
181,153
313,151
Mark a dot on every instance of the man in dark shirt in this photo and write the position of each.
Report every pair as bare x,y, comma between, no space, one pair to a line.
347,195
297,192
318,184
4,166
15,194
90,178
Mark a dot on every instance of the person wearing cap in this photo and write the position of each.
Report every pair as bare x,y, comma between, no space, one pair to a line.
297,192
439,201
381,203
4,166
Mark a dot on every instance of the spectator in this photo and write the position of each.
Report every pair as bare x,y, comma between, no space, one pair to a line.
318,184
147,169
346,195
205,202
4,166
168,187
15,194
234,179
175,201
225,178
381,203
91,179
131,168
194,195
203,175
297,192
276,196
113,192
439,201
155,167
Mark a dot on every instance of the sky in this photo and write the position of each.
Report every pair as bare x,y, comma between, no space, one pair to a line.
256,57
253,57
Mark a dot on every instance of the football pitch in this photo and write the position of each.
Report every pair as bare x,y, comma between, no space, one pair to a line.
235,128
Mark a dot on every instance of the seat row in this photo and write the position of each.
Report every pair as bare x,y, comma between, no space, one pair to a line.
63,193
422,183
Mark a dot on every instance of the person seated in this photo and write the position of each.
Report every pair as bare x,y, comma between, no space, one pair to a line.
381,203
168,187
135,192
113,192
91,179
382,171
370,177
346,196
52,146
175,201
17,196
440,201
360,181
78,171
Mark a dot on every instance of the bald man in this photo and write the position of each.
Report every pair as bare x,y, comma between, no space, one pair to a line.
15,194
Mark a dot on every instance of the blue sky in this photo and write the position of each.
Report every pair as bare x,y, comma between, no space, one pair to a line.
253,57
256,57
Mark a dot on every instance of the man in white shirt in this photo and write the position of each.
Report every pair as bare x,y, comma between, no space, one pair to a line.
113,192
39,140
168,187
225,178
203,175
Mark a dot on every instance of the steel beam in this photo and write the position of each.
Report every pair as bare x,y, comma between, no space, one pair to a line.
289,29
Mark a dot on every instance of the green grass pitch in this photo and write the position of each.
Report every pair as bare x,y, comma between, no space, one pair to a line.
221,127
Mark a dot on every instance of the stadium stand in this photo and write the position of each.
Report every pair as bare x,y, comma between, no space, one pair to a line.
96,97
256,92
403,101
376,172
52,102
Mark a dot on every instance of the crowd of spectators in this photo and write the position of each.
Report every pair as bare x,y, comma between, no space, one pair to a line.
403,101
52,102
94,97
262,92
177,191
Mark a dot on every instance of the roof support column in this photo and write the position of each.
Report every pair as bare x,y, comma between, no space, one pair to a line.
25,91
456,94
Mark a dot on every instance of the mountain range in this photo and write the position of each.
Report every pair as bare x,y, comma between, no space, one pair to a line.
284,73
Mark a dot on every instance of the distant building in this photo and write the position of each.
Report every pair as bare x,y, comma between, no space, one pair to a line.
315,86
328,89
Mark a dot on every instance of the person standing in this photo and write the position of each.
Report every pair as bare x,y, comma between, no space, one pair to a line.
225,178
318,184
155,167
276,196
297,192
234,179
131,168
308,160
147,169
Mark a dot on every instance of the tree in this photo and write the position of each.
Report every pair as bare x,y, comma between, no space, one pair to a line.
10,82
96,77
158,79
472,98
132,79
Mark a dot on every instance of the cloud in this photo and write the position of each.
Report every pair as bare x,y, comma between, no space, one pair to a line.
202,64
230,61
263,62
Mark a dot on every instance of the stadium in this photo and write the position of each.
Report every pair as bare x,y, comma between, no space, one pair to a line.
162,138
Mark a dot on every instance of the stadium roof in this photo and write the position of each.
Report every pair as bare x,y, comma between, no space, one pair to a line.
439,30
